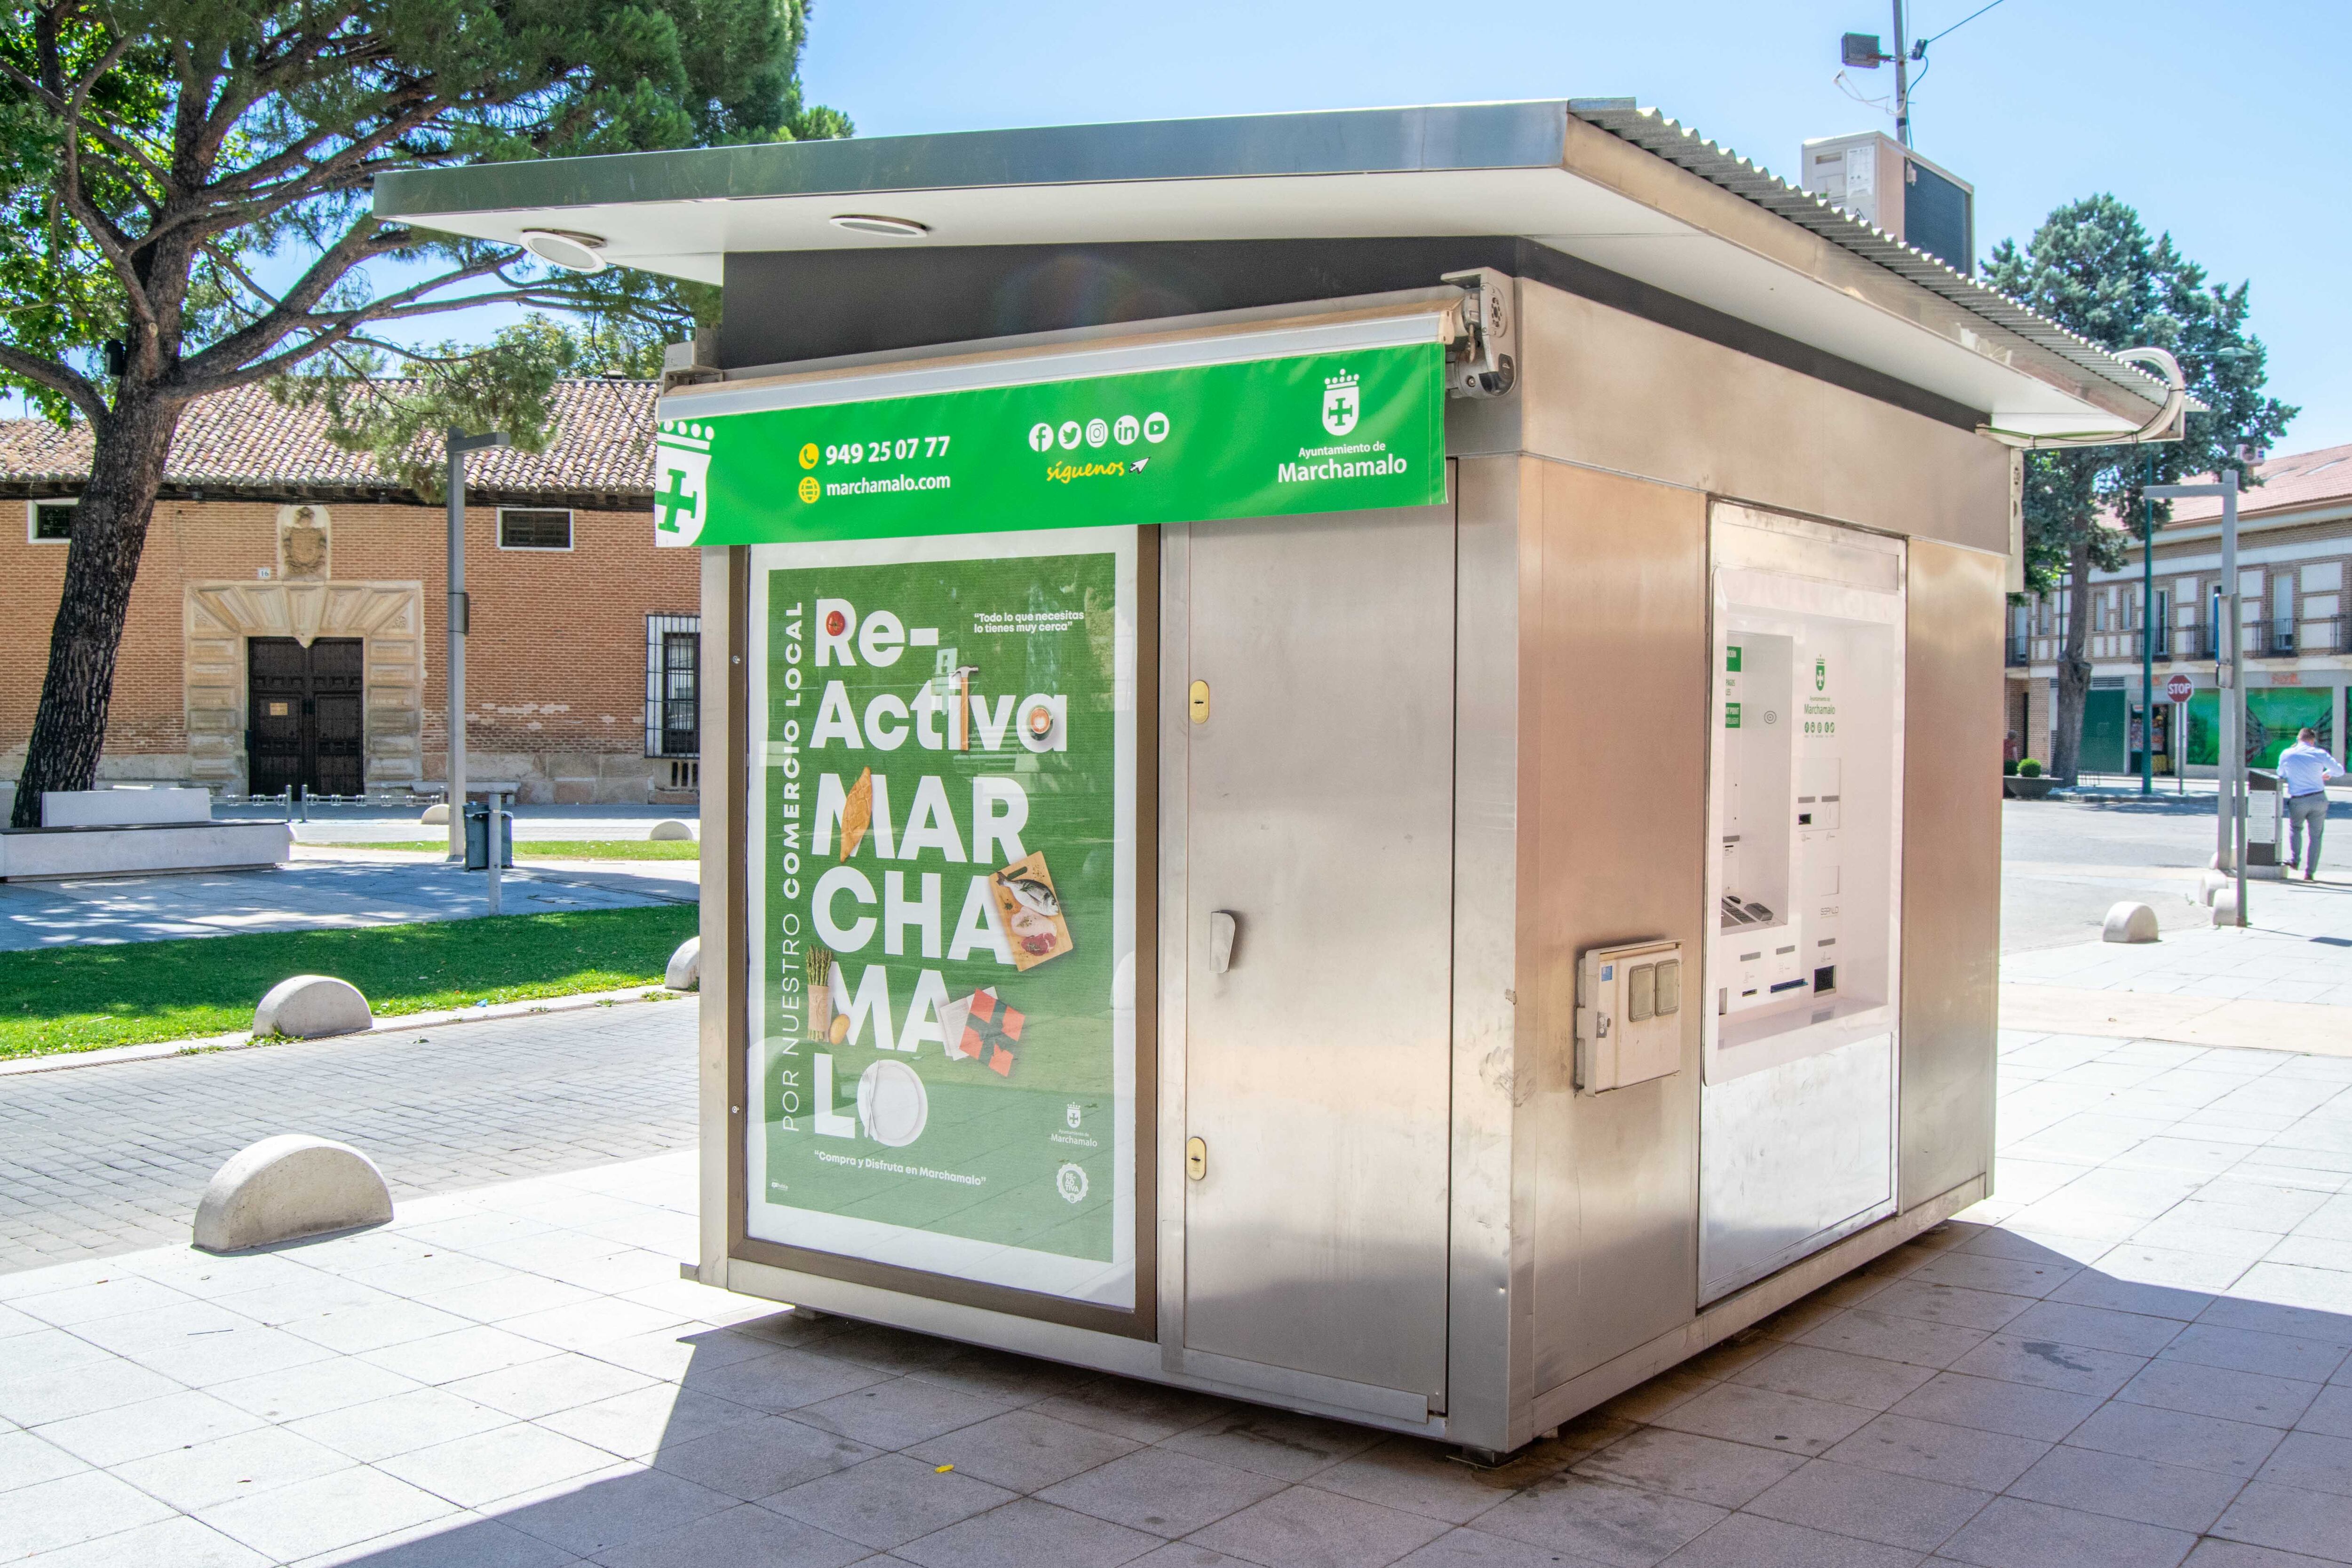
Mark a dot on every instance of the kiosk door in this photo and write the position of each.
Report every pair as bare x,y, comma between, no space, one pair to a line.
1319,790
1803,970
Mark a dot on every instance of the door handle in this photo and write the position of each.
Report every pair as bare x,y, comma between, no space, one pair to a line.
1223,928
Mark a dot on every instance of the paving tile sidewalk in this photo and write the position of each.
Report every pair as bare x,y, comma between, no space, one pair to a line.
2137,1355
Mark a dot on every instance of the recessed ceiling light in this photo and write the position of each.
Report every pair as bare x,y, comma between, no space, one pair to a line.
572,252
869,224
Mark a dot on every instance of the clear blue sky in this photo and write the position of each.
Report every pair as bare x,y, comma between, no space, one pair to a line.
2036,104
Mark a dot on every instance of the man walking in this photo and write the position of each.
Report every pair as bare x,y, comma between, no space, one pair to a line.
2304,770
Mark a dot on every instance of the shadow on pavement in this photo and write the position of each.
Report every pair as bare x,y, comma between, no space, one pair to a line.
788,1442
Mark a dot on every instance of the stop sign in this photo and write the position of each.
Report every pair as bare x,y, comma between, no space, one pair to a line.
2177,689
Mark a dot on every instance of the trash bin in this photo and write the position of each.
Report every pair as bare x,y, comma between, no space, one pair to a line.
478,838
2265,822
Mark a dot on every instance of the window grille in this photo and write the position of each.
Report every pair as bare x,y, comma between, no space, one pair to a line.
52,522
520,529
674,686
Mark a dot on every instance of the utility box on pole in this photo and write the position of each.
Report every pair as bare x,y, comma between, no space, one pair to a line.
1888,186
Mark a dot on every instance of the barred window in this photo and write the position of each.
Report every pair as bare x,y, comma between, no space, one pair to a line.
673,685
50,522
520,529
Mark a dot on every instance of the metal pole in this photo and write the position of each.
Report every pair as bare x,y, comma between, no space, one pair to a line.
497,859
1902,80
2148,639
2237,699
455,444
457,684
2229,672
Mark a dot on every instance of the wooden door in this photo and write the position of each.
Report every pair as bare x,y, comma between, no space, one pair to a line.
338,742
304,725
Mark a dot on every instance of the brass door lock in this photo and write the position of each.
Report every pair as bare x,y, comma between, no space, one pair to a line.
1196,1158
1200,702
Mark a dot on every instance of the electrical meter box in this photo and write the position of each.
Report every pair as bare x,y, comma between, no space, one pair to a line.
1629,1003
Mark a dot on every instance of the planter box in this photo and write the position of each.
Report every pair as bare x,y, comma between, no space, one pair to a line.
52,854
2029,788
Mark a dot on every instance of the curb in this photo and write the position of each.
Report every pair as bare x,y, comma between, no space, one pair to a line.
210,1045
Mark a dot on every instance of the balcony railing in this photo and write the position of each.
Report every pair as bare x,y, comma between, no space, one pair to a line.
2020,649
2263,639
2270,639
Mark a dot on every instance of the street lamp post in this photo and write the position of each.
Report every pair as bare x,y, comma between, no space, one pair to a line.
2230,827
2148,642
455,446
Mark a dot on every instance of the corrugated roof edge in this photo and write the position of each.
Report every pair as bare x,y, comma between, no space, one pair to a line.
1720,166
1510,134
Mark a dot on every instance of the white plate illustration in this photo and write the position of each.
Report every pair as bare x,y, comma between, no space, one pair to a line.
891,1103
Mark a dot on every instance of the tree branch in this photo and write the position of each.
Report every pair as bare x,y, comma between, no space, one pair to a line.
58,105
60,379
96,224
294,314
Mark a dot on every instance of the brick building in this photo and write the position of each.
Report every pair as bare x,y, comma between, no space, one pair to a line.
288,623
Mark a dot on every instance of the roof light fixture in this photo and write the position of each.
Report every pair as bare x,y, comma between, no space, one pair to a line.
559,248
873,224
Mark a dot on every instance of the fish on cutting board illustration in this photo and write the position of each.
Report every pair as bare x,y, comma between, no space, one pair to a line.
1034,918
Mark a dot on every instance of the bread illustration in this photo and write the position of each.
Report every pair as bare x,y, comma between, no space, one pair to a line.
858,813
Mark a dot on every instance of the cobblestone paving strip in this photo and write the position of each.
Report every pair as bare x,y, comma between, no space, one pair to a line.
114,1158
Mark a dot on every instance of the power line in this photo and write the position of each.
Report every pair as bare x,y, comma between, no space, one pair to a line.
1919,50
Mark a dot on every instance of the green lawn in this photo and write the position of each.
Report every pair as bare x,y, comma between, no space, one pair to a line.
80,998
557,848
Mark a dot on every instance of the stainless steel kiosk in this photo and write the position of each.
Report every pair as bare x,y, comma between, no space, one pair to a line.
1356,757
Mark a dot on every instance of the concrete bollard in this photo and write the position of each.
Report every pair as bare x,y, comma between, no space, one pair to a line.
435,816
2225,904
287,1186
309,1007
685,973
2129,922
671,830
2212,882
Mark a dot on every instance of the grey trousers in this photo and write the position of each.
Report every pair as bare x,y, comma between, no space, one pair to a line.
2306,811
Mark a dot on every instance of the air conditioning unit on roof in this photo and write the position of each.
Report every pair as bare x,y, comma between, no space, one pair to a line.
1888,186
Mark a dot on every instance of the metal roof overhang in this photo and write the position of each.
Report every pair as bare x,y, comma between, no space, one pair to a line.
1596,179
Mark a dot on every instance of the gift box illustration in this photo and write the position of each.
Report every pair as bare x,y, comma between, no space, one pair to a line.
1031,912
983,1028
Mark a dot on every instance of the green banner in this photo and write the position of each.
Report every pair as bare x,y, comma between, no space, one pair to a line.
943,844
1321,433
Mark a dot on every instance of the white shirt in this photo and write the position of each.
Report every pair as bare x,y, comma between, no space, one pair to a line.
2305,770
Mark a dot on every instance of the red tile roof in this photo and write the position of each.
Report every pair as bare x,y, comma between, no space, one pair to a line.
244,443
2289,483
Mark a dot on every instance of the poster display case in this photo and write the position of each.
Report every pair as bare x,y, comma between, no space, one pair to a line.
943,825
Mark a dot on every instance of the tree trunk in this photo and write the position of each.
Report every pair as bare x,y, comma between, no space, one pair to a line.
2073,667
109,530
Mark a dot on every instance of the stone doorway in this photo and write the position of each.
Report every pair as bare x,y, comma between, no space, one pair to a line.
388,619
